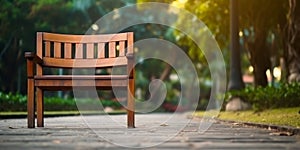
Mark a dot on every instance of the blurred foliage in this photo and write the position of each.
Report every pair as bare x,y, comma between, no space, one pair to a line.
261,98
21,19
261,34
12,102
214,14
15,34
18,102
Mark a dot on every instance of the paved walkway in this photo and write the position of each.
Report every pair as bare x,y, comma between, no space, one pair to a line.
154,131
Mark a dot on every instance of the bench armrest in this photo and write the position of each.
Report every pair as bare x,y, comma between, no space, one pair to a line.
32,56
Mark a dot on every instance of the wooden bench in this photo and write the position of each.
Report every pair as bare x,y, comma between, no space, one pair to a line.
80,52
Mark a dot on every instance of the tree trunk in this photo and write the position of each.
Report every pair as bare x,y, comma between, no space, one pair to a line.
293,61
235,79
260,58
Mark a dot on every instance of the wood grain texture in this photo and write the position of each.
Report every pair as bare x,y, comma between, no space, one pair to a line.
101,50
79,51
68,38
122,48
112,49
40,107
85,63
47,49
130,104
30,94
39,46
90,50
57,49
68,50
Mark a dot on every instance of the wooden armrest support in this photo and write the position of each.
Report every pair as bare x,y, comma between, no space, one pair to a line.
32,56
130,56
130,67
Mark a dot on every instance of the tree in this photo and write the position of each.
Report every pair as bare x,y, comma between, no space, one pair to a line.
293,41
15,38
259,22
235,79
19,21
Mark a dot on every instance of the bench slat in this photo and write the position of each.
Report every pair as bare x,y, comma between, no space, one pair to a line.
90,50
47,49
68,50
101,50
64,84
122,48
57,50
79,51
84,63
68,38
112,49
80,77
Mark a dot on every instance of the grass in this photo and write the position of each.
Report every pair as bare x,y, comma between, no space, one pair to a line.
282,116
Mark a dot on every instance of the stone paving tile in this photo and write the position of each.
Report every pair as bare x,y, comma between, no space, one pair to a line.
151,132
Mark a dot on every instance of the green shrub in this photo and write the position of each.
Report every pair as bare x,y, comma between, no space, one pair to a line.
261,98
18,102
11,101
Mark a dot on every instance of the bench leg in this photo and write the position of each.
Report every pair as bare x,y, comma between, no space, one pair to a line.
30,103
130,104
40,107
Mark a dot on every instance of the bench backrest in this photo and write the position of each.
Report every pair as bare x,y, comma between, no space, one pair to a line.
84,51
